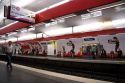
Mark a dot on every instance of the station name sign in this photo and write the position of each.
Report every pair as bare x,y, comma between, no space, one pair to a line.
19,14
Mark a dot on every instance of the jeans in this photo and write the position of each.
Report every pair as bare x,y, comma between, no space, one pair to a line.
9,59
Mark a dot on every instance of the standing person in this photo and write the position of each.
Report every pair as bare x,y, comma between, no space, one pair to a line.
9,52
94,51
119,53
72,49
64,51
116,41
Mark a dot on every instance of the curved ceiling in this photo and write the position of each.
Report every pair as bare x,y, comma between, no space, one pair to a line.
64,9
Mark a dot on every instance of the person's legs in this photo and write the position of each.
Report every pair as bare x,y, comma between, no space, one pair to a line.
93,55
73,53
9,57
116,48
10,60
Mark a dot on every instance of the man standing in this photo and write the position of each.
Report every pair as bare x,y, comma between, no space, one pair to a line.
72,49
115,40
9,52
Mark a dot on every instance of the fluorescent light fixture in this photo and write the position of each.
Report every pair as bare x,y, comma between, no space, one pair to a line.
12,33
24,30
27,37
60,20
55,5
91,14
67,16
55,22
51,24
107,25
61,31
120,23
22,3
96,13
31,29
39,35
60,3
31,36
89,27
12,39
86,16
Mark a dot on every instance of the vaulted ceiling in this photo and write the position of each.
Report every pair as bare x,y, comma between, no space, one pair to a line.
71,6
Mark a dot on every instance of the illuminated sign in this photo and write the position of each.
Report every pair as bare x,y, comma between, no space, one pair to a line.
20,14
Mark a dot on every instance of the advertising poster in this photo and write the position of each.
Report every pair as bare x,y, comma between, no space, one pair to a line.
109,43
35,48
43,45
52,48
25,48
70,47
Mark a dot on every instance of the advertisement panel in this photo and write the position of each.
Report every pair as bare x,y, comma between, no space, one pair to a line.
69,47
52,47
111,46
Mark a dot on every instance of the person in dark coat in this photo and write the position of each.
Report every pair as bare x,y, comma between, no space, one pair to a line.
9,52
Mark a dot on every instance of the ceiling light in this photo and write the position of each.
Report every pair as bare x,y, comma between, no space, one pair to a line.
89,27
55,5
27,37
60,3
31,29
57,32
22,3
12,33
120,23
12,39
24,30
67,16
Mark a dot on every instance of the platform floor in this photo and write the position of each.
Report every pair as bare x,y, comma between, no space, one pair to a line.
111,61
23,74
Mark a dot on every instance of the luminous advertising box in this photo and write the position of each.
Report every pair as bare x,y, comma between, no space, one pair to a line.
20,14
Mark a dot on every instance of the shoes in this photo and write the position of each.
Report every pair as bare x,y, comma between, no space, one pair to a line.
9,66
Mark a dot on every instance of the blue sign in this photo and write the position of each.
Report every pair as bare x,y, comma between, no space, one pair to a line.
89,39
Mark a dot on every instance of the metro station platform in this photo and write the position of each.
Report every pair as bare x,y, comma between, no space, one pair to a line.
23,74
107,70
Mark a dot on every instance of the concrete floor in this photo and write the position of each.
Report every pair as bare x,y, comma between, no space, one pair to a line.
17,75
